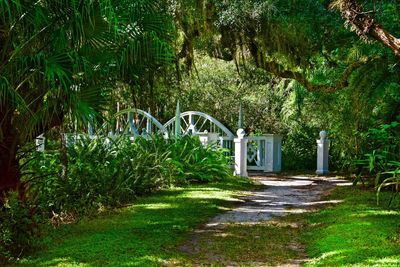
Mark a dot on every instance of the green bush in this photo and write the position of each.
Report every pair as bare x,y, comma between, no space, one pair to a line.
197,163
380,164
299,150
103,172
17,228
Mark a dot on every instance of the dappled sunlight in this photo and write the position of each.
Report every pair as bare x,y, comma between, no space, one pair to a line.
344,184
382,212
354,233
242,244
326,257
377,212
217,194
356,256
62,261
280,203
157,206
142,234
295,181
385,261
280,197
201,189
286,182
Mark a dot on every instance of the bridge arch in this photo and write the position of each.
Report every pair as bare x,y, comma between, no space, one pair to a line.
196,122
137,122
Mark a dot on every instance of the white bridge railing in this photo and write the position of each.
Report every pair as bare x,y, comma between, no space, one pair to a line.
263,152
257,153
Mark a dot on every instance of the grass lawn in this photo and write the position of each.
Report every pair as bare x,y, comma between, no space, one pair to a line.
355,232
147,233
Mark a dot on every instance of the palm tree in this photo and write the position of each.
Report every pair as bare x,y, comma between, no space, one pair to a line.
61,57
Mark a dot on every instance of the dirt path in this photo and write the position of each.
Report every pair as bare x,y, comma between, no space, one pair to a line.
281,196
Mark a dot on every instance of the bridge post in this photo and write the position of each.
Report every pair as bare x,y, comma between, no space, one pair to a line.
177,121
149,125
322,154
90,127
240,154
40,143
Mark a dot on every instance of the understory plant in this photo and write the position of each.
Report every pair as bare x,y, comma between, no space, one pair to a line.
107,172
380,166
195,163
18,227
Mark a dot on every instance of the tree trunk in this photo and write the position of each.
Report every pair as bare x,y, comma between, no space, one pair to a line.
10,176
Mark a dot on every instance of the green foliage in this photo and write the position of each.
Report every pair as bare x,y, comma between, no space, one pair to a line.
392,182
18,231
107,172
102,173
299,148
60,60
305,37
196,163
382,161
67,55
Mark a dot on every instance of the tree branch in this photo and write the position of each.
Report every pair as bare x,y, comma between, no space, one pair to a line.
365,25
343,82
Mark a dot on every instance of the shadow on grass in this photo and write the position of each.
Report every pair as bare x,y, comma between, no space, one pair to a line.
144,234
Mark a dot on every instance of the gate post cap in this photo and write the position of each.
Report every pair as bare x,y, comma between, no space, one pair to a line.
240,133
322,135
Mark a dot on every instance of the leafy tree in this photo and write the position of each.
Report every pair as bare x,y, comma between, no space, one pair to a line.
63,57
342,83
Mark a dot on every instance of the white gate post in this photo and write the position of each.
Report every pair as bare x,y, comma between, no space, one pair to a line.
322,154
273,153
240,154
40,143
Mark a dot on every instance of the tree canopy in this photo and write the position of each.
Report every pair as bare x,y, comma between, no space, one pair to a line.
62,58
64,63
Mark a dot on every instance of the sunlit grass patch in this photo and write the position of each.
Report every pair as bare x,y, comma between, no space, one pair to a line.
355,232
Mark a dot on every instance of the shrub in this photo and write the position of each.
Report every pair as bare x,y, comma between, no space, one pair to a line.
197,163
100,173
103,172
17,228
381,161
299,149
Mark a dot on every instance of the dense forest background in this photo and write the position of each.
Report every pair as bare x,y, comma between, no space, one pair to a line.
297,66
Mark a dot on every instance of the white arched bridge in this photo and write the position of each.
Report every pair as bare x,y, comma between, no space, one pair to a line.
260,153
